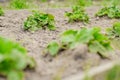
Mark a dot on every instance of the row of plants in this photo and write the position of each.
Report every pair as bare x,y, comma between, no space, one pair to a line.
39,20
96,41
23,4
78,13
46,21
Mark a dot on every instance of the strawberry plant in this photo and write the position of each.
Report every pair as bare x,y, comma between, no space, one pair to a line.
19,4
13,60
84,2
39,21
77,14
96,41
110,2
114,31
111,12
1,11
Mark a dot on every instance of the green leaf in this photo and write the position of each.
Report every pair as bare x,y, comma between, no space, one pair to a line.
51,27
98,47
21,60
84,35
98,36
15,75
68,36
53,48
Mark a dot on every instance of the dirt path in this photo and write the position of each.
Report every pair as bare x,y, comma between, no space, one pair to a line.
11,27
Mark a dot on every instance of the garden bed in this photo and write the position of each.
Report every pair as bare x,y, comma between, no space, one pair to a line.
65,64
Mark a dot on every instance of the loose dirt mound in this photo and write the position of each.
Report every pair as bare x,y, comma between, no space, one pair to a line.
68,63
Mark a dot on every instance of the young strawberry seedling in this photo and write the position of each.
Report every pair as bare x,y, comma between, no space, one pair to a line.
13,60
77,14
96,41
114,32
39,21
83,2
111,12
18,4
1,12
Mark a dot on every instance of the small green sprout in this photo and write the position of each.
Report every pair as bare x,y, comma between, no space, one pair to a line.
53,48
1,12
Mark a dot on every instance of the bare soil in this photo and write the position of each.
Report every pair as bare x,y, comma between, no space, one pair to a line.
67,63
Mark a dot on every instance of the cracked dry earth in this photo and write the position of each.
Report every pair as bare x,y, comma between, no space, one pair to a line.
68,62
